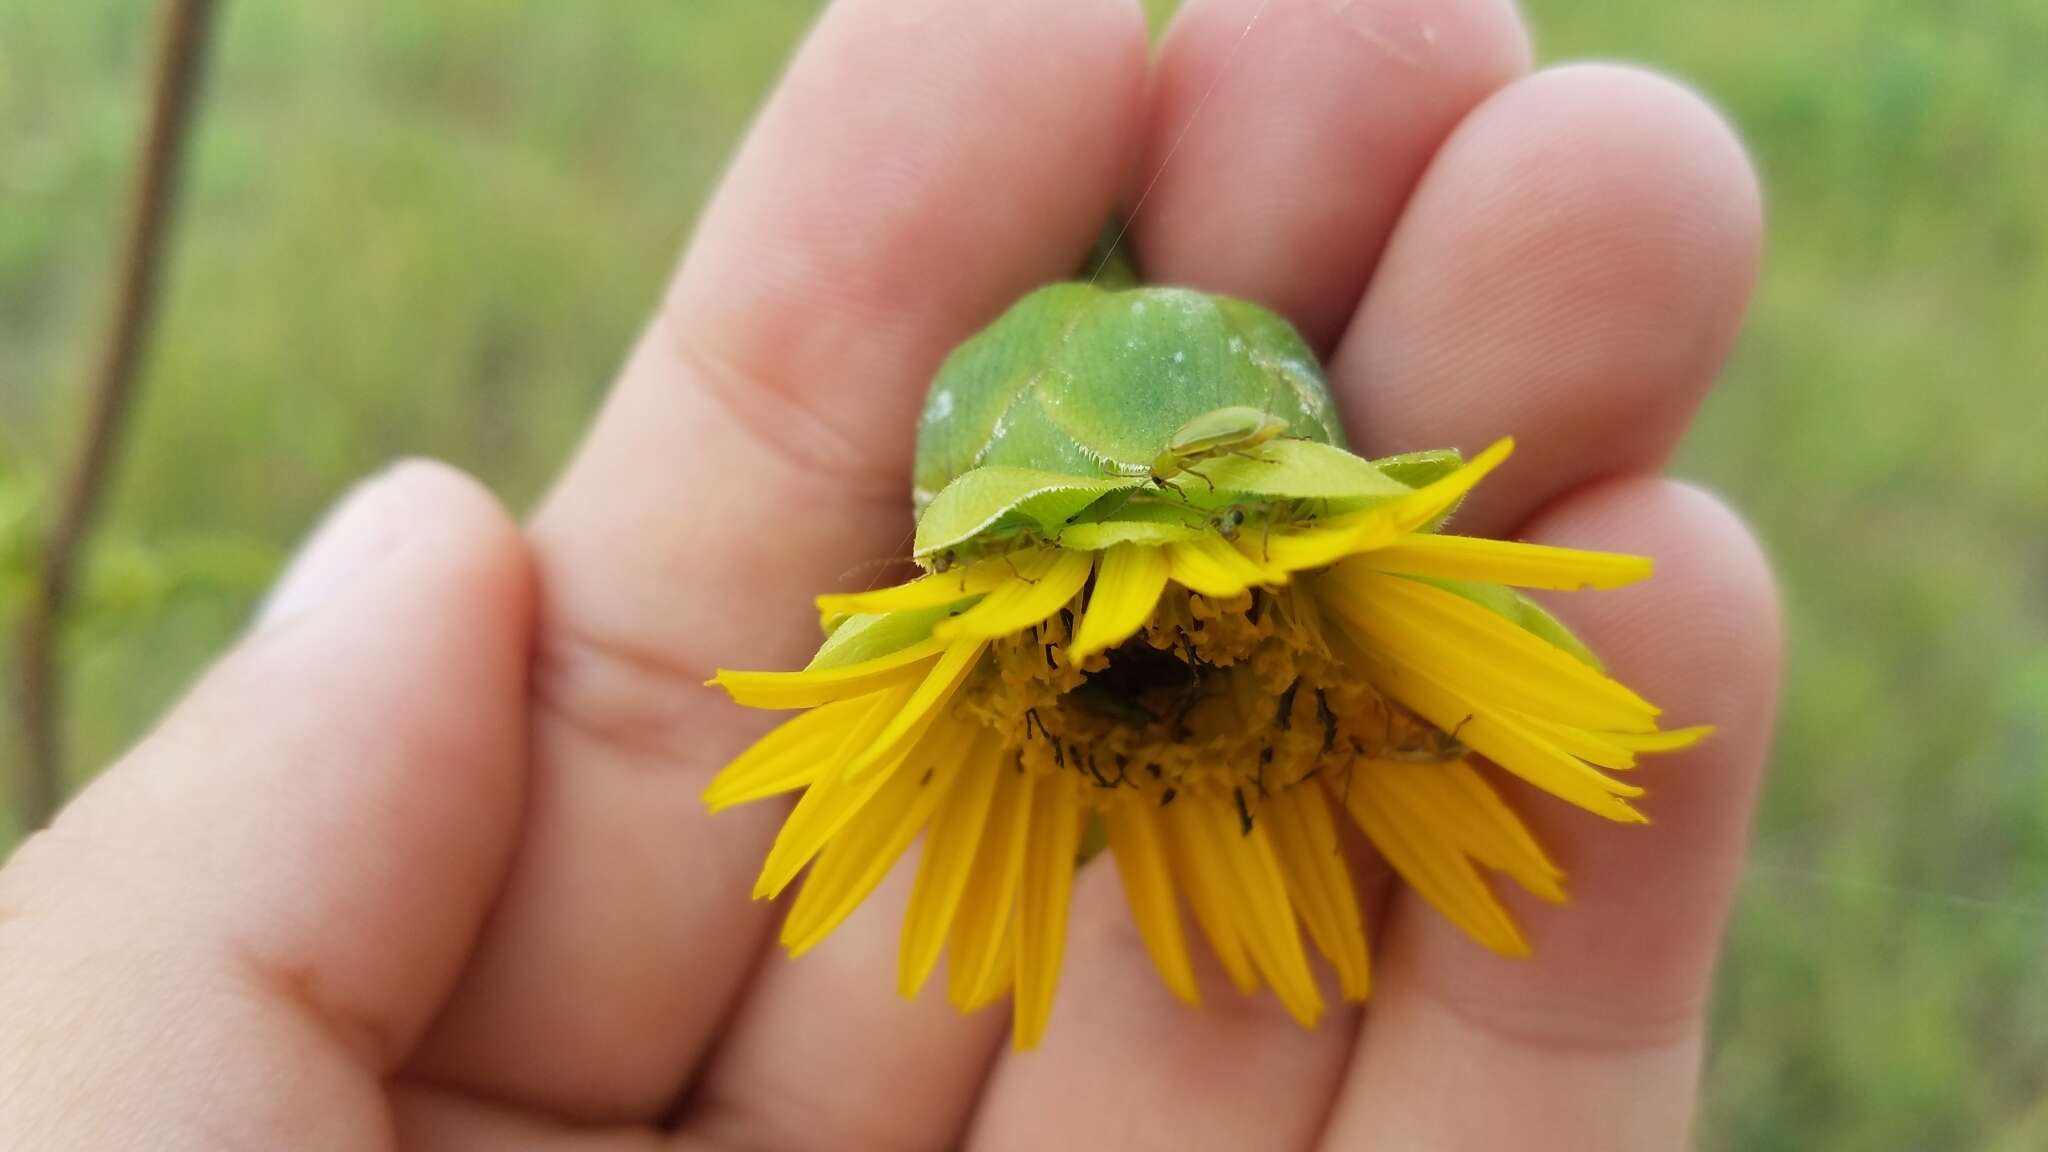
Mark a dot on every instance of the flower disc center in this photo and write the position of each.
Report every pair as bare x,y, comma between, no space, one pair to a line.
1142,686
1228,698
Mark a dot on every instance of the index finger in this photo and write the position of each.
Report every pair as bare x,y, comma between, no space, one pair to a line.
922,164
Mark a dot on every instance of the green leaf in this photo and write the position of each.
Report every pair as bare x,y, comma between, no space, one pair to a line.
1421,469
1138,516
973,400
1102,534
1288,470
993,499
873,634
1531,616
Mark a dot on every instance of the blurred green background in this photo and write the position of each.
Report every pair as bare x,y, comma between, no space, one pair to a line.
434,228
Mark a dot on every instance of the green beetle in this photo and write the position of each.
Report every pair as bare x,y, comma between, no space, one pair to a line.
1238,428
1094,382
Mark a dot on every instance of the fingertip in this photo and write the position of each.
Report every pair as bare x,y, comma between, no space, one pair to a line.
1684,203
1731,556
423,508
1662,143
1628,961
1714,597
1701,639
1286,135
331,808
1574,266
467,527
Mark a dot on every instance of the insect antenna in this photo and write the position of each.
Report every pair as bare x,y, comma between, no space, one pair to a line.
874,570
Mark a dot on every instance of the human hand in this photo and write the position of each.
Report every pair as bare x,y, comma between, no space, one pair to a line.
423,861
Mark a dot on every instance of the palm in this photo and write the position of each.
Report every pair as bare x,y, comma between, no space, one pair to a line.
1563,257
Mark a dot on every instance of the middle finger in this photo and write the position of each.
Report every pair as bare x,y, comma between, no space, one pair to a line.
923,164
1283,189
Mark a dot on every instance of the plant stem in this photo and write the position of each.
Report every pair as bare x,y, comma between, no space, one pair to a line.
180,49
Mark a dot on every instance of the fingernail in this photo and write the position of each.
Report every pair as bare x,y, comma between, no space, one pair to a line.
360,530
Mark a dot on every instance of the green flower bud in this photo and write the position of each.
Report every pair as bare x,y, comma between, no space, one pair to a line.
1085,381
1049,419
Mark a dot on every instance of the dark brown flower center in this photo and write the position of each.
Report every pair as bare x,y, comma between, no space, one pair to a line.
1231,698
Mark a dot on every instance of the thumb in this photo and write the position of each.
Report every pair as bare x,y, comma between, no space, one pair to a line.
234,934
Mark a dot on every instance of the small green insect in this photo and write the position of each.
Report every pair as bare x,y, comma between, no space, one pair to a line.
1423,743
1434,748
996,545
1231,431
1231,520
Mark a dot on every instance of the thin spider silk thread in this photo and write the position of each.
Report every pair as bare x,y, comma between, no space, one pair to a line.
1229,59
1933,899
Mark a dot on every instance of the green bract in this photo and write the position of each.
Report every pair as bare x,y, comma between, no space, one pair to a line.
1068,417
1079,379
869,635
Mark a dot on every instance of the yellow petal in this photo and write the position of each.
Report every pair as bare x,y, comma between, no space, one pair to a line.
854,862
1669,741
1047,581
1318,879
1506,562
931,591
1596,748
791,756
1429,501
1001,974
1323,543
1141,863
918,712
983,919
1203,876
829,804
1527,754
1046,886
1322,546
1210,566
1513,746
1254,897
1493,833
1128,582
1410,834
814,686
1614,750
948,860
1486,656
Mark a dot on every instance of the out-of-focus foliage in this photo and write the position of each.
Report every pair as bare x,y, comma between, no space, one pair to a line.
1883,424
434,229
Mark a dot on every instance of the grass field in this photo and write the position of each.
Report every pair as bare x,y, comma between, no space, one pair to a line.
433,229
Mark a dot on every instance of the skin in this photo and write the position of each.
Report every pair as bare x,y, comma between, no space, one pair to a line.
421,862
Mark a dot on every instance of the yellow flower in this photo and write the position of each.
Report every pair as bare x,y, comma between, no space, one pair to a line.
1208,704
